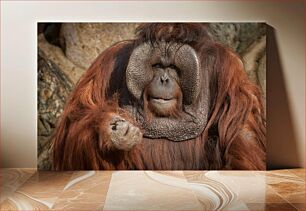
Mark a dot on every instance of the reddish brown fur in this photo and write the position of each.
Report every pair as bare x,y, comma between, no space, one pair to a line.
234,137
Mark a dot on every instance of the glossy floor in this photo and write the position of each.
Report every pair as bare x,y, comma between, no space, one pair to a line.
28,189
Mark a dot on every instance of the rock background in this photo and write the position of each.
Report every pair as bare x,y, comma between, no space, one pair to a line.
66,50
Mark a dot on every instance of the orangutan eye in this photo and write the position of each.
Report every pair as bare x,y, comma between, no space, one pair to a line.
177,70
172,66
157,65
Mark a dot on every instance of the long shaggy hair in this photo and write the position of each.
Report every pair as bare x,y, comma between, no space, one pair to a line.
234,137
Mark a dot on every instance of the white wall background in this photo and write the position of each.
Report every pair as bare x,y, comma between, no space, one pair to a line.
18,58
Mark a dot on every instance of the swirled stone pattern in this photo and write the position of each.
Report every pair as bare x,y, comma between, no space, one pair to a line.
28,189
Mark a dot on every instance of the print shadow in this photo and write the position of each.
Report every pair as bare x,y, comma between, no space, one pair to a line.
281,139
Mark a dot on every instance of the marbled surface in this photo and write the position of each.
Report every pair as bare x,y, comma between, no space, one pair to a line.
28,189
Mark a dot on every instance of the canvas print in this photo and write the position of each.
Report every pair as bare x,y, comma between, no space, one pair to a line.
151,96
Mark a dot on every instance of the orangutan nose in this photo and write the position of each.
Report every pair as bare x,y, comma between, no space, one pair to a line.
164,78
